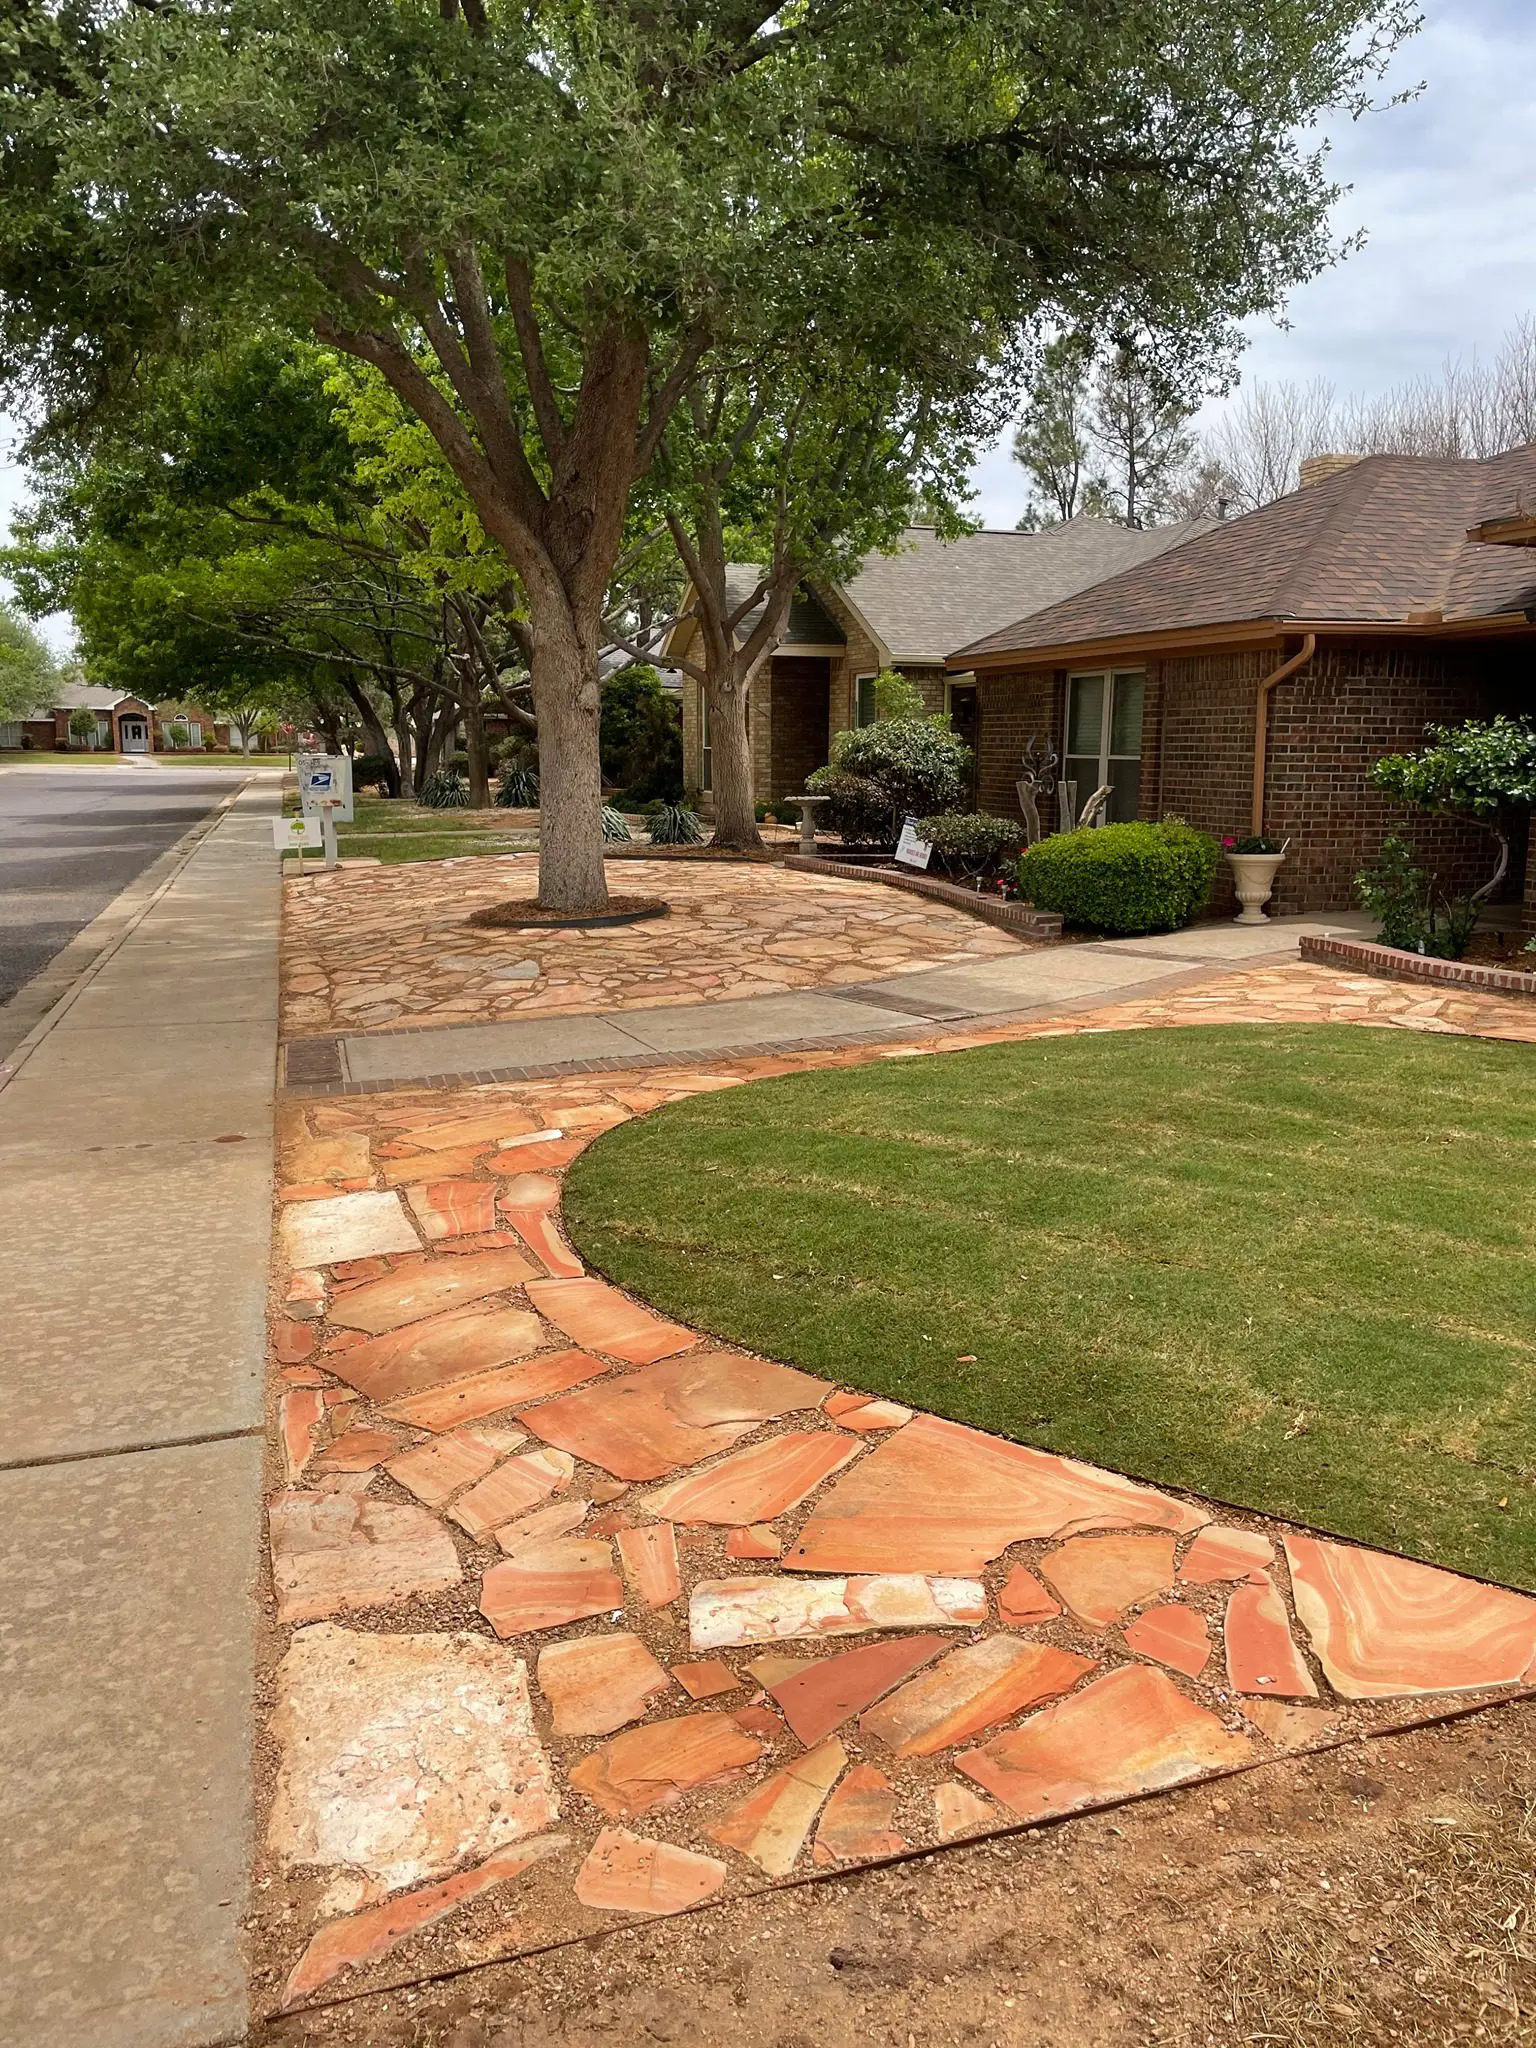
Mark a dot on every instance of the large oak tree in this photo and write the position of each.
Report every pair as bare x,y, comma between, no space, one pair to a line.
535,221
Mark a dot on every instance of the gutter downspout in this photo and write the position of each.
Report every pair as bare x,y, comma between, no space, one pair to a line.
1261,723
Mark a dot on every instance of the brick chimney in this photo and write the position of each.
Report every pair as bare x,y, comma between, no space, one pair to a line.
1316,467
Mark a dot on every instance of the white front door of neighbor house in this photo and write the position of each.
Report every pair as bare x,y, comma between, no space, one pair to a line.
135,735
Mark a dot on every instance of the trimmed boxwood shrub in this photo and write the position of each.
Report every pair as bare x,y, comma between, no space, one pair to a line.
882,773
972,842
1122,878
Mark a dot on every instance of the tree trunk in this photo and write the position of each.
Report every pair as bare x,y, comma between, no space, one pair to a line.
377,737
478,751
566,701
730,756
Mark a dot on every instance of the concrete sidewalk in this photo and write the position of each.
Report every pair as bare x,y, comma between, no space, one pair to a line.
1034,981
135,1189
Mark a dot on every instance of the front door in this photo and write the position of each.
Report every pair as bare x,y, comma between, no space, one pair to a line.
800,708
133,735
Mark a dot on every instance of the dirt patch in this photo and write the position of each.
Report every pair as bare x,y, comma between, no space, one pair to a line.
522,916
1379,1893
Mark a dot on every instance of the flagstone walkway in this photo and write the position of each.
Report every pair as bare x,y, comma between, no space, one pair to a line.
370,947
581,1617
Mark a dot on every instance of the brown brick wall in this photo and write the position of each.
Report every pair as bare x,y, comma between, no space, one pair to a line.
799,742
1328,723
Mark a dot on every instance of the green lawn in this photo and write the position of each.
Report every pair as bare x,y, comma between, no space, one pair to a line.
1287,1267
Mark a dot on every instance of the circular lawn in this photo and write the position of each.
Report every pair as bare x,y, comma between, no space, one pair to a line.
1286,1267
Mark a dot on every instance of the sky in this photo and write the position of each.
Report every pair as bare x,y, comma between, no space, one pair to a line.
1445,189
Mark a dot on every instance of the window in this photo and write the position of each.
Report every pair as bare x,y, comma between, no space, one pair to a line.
104,733
10,733
194,732
1104,741
865,709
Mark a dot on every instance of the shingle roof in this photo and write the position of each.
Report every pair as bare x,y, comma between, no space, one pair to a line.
1370,545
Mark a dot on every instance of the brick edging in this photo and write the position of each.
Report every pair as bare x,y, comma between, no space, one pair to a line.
1393,964
1038,925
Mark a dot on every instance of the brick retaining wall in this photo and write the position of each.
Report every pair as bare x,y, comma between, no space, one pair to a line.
1025,923
1393,964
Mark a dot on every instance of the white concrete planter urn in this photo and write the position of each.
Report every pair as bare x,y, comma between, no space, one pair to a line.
1253,876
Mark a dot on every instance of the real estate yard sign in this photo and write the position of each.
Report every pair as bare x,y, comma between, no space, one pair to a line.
911,851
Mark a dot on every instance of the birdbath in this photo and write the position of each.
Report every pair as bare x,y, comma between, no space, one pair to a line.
807,807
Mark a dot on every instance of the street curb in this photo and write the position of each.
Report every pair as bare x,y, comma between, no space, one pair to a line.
77,964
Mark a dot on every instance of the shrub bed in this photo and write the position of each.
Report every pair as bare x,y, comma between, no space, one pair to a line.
1124,879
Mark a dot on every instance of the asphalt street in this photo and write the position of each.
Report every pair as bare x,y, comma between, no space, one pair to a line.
71,838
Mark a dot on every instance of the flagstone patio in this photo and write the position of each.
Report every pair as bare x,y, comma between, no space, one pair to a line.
581,1618
371,947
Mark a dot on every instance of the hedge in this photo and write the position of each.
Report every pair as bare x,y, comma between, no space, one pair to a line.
1122,878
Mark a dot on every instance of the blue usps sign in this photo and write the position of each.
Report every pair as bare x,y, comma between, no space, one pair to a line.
325,785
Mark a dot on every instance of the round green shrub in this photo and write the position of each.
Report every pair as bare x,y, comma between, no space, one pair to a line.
972,841
882,773
1122,878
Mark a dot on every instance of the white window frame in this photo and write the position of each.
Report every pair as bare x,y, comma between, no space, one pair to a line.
1109,677
859,722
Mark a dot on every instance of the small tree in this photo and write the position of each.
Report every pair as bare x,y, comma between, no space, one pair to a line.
1483,771
82,726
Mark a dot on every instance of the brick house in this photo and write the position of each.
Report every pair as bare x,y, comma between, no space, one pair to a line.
905,611
124,724
1247,680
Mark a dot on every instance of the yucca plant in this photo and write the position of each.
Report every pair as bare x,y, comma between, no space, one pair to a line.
614,824
518,789
445,791
676,825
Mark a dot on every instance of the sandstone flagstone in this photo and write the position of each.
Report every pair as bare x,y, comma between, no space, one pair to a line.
819,1696
1175,1636
511,1490
356,1450
360,1938
1262,1657
292,1342
958,1812
435,1471
487,1393
1219,1553
722,1612
299,1415
771,1824
899,1508
592,1313
971,1689
453,1208
339,1227
558,1519
1099,1577
624,1873
423,1287
1130,1731
650,1563
426,1354
548,1583
1290,1727
655,1765
856,1822
305,1298
1022,1599
861,1412
402,1756
707,1679
596,1684
1386,1626
537,1229
756,1541
416,1167
757,1484
334,1553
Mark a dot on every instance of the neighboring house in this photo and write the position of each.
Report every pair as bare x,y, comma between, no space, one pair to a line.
1249,679
905,611
124,724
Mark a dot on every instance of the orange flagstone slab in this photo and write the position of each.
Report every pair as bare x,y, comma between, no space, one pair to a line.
722,1612
625,1874
299,1414
1287,1726
542,1154
1218,1553
755,1542
435,1471
656,1764
769,1670
1261,1655
971,1689
819,1696
453,1208
901,1508
857,1821
558,1519
425,1287
511,1490
560,1579
333,1553
292,1342
343,1944
457,1164
597,1683
1100,1576
532,1193
596,1315
1130,1731
1175,1636
706,1680
342,1157
958,1812
1022,1599
425,1354
647,1423
487,1393
480,1131
357,1450
771,1824
861,1412
305,1298
756,1484
1385,1626
536,1228
650,1563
